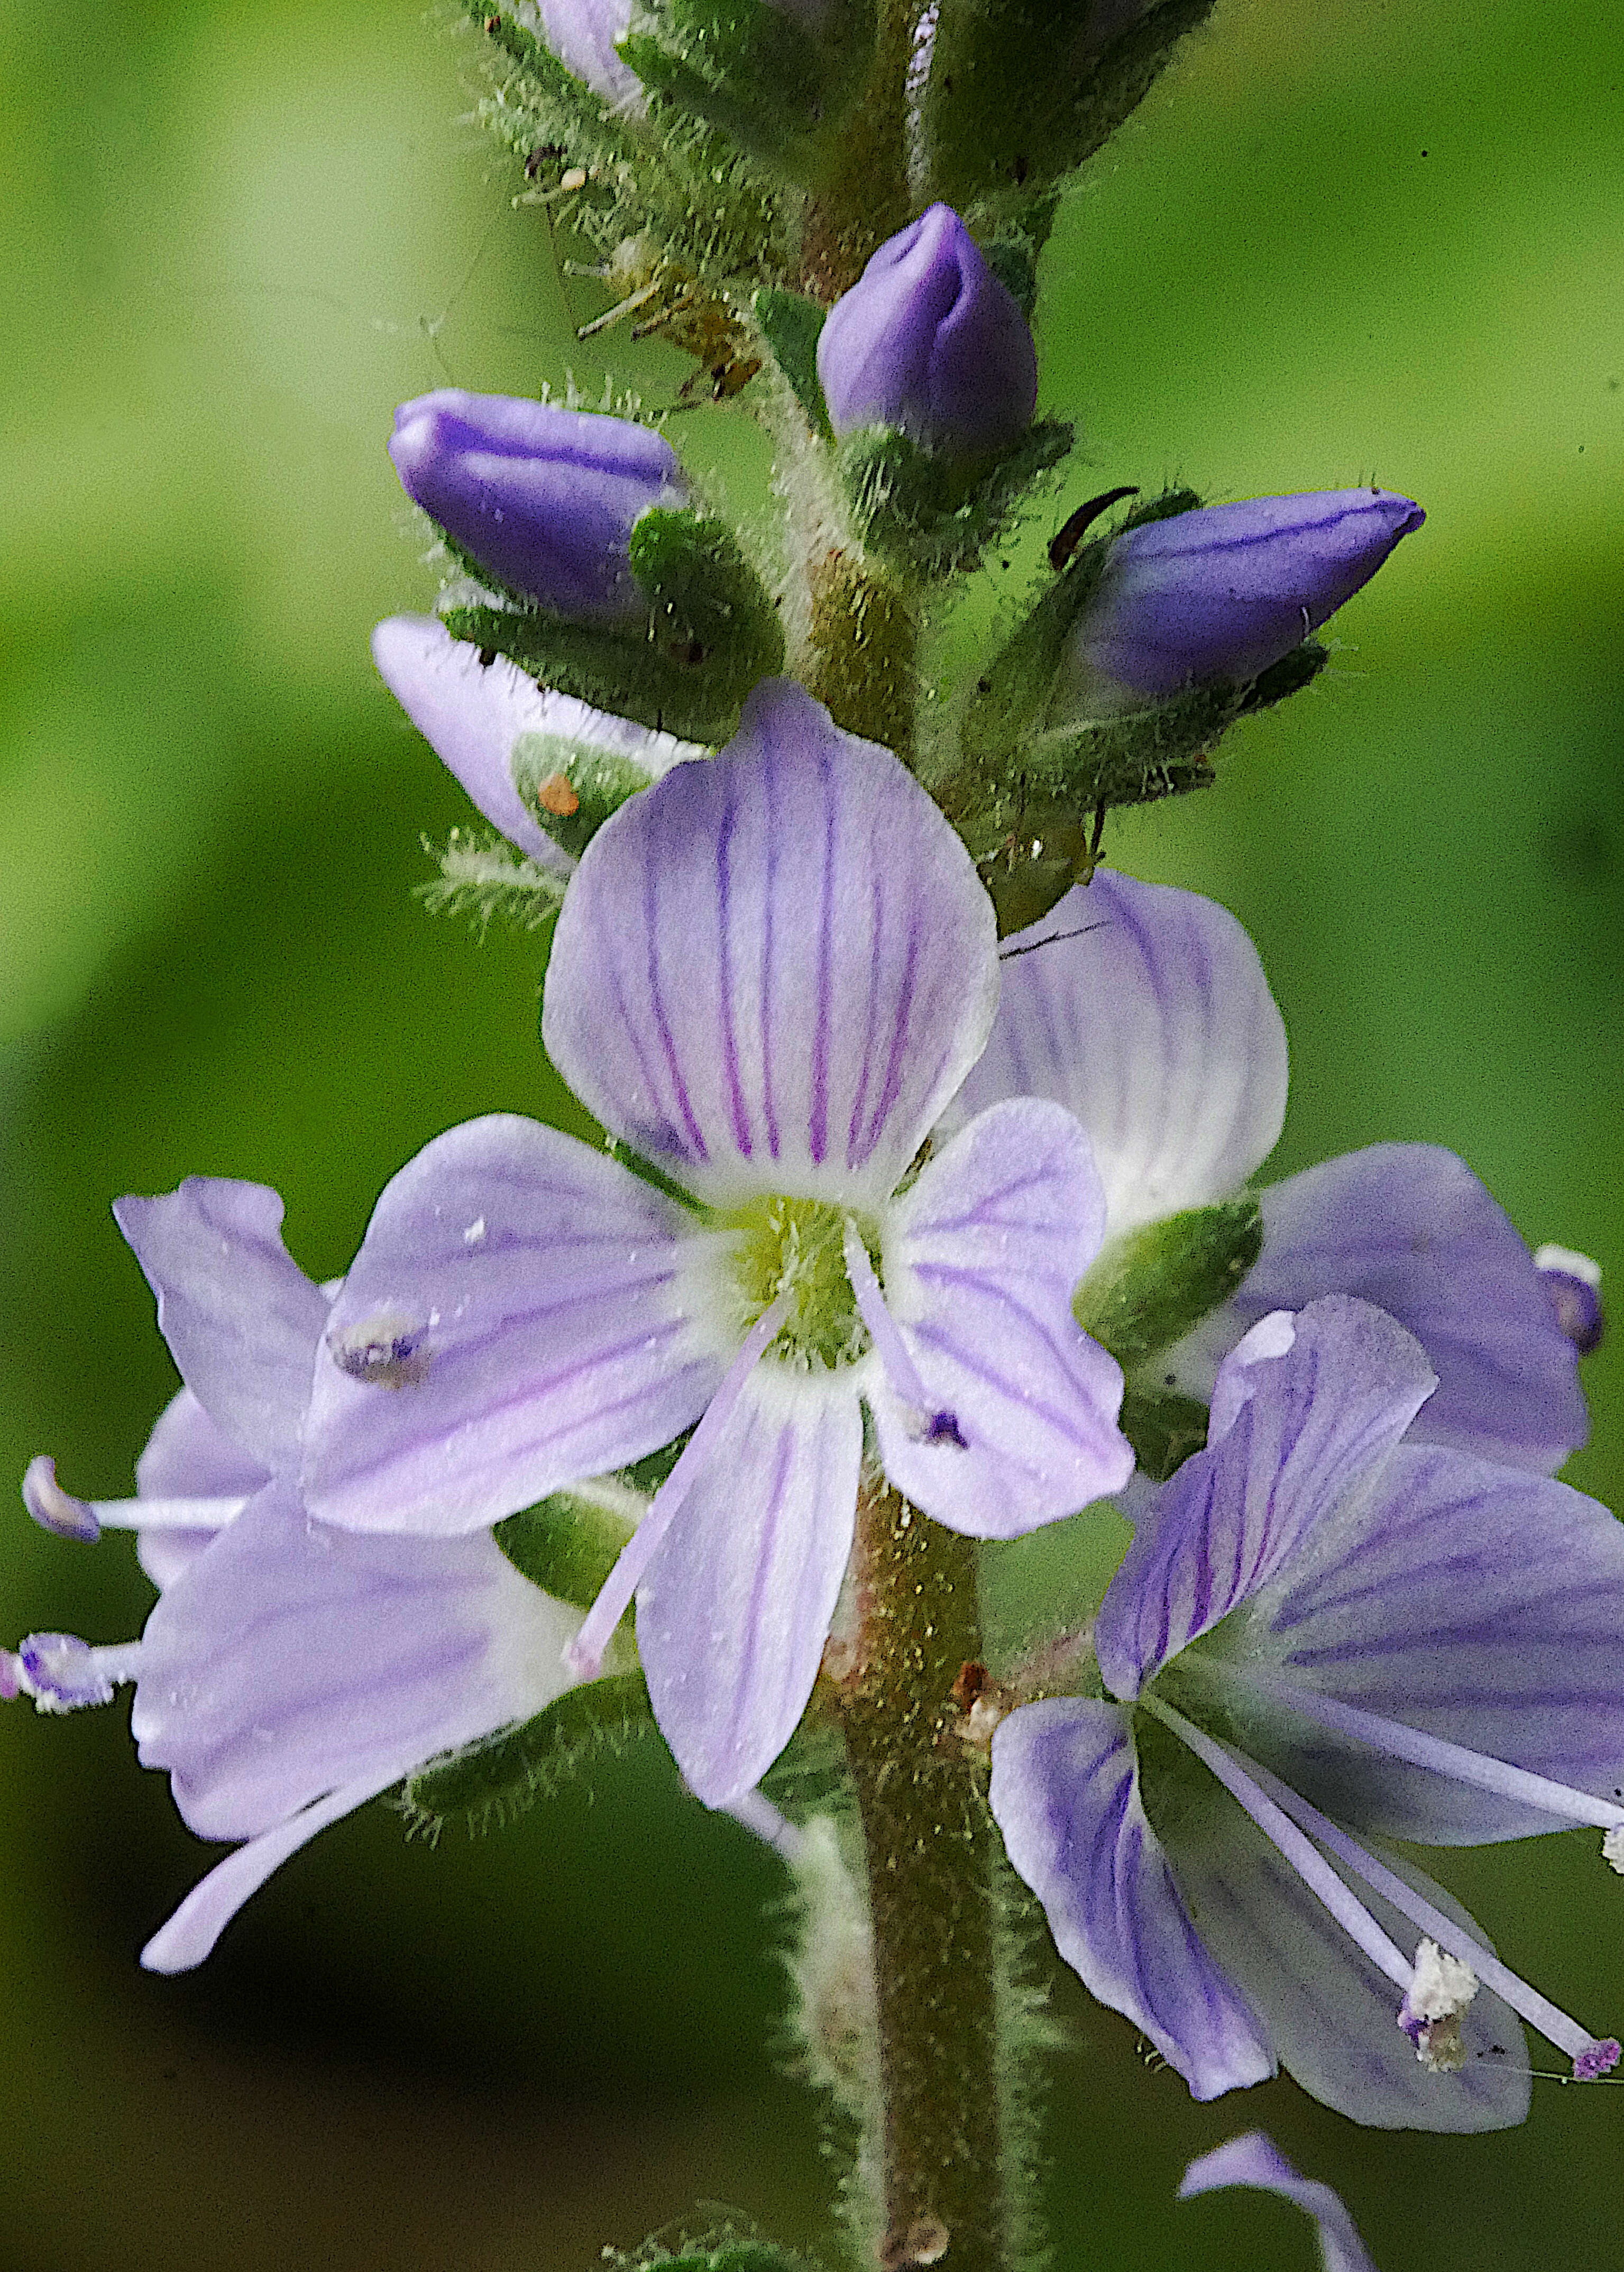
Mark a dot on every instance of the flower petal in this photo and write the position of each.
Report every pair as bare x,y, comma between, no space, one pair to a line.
188,1456
1332,2015
242,1319
733,1615
1065,1793
774,969
1315,1425
1255,2160
1410,1228
981,1258
290,1659
1475,1603
1153,1022
518,1316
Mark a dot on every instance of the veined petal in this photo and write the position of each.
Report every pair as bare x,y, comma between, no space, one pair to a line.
981,1258
187,1455
241,1317
733,1615
289,1660
1065,1793
1149,1016
1255,2160
774,969
1475,1603
1315,1424
518,1316
1410,1228
1331,2011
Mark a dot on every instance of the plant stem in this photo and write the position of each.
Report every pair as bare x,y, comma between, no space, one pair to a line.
930,1850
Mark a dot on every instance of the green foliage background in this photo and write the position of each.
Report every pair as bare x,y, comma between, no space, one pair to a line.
1349,241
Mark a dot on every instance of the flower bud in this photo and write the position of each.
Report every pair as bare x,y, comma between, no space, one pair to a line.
1224,591
928,341
582,34
542,499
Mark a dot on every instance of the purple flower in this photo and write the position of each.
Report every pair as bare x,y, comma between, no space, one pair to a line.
1148,1015
544,499
771,972
1323,1637
1225,590
480,718
1255,2160
582,34
1573,1282
289,1672
928,340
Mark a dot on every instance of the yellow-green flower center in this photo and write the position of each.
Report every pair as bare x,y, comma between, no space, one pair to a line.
796,1244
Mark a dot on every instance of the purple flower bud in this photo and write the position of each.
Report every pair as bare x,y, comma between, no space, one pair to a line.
544,498
582,34
929,342
1226,590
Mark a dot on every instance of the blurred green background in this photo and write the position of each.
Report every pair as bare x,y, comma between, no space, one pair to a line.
1344,242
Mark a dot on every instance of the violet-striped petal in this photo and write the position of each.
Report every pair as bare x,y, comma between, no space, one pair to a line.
1410,1228
1145,1014
519,1315
1331,2012
733,1615
1315,1425
981,1258
774,969
188,1456
1257,2161
1064,1792
291,1659
242,1319
1472,1603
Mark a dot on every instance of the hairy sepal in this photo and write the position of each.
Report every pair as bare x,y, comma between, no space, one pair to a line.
777,88
490,1783
928,513
1148,1288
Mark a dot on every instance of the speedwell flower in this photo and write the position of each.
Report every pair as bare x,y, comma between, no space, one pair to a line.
289,1672
772,970
1320,1638
1145,1011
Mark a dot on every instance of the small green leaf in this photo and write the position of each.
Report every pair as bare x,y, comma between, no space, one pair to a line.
1150,1288
791,326
492,1781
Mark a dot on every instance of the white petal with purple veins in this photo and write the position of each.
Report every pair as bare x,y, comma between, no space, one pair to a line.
774,969
1156,1026
188,1456
981,1258
522,1312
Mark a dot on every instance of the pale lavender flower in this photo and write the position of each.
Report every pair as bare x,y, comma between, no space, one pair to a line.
1225,590
772,970
1323,1637
1145,1014
1257,2161
582,34
544,498
485,720
928,341
289,1672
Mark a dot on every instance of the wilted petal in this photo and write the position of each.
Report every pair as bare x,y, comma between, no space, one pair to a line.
1153,1022
1255,2160
291,1660
1314,1428
518,1316
242,1319
772,970
733,1615
1410,1228
981,1258
1064,1792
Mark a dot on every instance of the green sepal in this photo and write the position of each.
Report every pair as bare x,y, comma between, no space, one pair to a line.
568,1542
1152,1286
791,326
490,1783
599,780
711,632
1017,98
776,88
929,513
1164,1429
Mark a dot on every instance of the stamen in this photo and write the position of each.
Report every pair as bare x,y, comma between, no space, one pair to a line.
64,1674
1430,2015
584,1656
1591,2055
84,1521
934,1427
